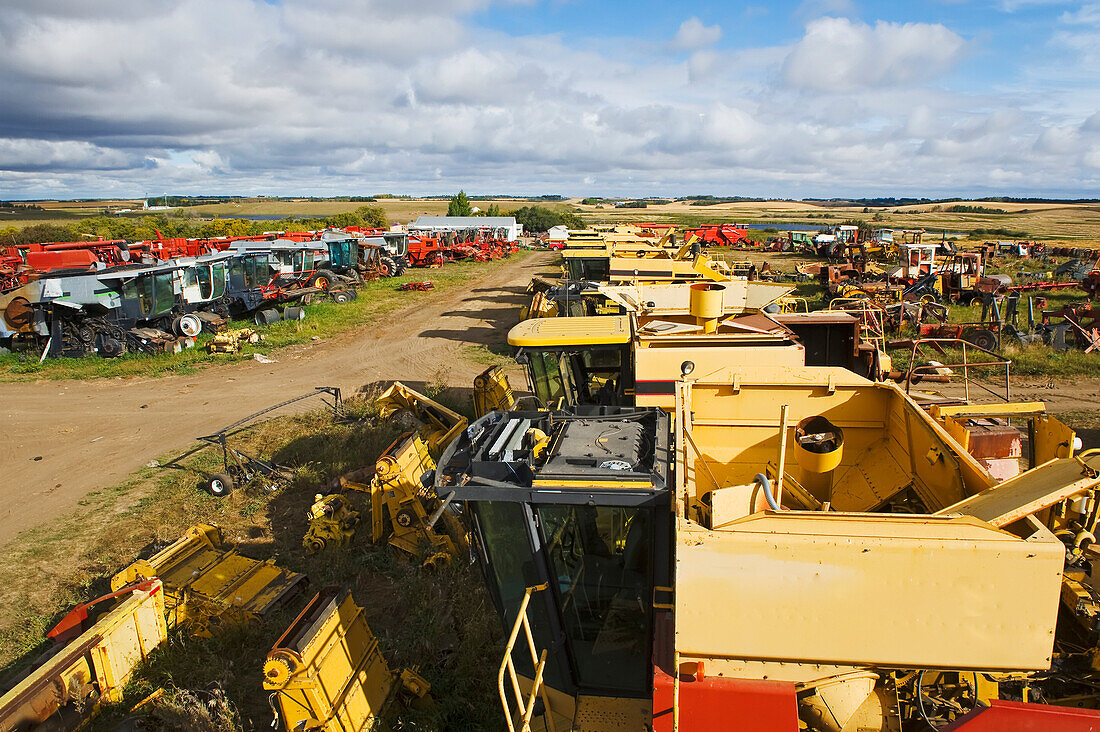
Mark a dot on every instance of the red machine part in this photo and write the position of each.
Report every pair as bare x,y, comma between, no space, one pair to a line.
723,235
716,703
72,624
731,705
1010,716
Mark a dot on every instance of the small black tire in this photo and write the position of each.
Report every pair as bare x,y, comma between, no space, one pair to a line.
187,325
341,296
982,339
323,279
294,313
220,485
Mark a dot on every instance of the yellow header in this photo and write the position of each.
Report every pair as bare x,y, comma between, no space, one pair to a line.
597,330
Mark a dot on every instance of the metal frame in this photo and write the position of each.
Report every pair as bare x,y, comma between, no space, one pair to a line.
966,365
220,438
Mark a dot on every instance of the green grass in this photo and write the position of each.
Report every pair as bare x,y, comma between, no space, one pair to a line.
323,320
441,622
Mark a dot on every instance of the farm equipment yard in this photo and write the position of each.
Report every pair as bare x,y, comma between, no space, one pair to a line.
588,417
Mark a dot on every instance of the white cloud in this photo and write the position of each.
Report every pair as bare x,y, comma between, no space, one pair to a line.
693,34
327,97
837,54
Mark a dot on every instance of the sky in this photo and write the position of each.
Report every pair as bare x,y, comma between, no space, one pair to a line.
811,98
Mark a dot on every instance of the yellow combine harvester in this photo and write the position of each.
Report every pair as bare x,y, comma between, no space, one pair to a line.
785,548
634,358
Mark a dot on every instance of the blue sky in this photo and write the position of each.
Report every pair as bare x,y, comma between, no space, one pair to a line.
812,98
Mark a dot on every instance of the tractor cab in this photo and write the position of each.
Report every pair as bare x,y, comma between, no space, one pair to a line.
577,360
206,278
570,511
147,294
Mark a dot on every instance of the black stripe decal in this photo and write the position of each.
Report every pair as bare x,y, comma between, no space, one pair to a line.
654,388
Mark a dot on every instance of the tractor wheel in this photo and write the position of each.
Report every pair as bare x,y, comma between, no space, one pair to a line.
387,267
294,314
982,339
323,279
341,296
187,325
267,317
220,485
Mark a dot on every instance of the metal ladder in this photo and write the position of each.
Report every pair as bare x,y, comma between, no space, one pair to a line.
525,708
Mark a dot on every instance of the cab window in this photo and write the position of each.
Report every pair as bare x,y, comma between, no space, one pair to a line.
600,568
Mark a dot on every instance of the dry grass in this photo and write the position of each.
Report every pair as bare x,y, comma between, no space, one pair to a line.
441,622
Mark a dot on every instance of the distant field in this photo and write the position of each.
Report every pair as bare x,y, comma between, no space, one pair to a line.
1079,222
1039,221
398,211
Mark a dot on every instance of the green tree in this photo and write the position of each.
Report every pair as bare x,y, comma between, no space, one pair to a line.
459,205
493,210
537,219
374,216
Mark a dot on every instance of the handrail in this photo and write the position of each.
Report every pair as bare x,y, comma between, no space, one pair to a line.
966,365
507,666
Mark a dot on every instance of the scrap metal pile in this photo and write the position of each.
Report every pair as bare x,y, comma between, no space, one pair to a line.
115,297
713,511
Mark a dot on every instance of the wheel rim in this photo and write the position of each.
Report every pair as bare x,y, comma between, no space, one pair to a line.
321,283
190,326
217,487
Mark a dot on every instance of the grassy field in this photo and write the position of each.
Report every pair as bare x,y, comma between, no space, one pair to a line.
1079,222
441,622
323,320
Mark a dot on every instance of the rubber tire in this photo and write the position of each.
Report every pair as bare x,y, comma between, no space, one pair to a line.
341,296
220,485
187,325
323,279
387,267
266,317
294,313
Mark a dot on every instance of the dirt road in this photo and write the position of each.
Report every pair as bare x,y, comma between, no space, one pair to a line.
66,438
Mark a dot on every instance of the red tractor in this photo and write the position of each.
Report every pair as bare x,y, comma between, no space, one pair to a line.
721,235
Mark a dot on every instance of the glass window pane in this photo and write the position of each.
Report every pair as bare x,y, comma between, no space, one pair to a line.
163,292
600,557
512,570
202,276
218,279
546,377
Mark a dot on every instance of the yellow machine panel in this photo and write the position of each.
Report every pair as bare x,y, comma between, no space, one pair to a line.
872,589
206,582
327,671
93,667
600,329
